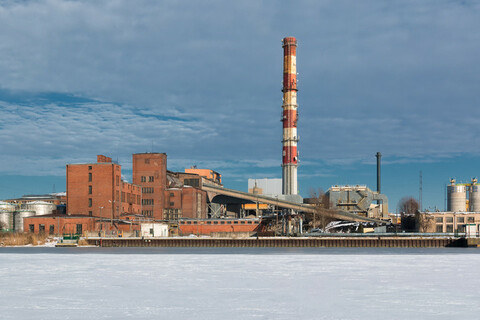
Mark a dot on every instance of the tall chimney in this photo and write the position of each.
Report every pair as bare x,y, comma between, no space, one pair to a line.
289,117
379,157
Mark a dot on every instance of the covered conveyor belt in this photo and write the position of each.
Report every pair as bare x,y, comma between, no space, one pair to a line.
341,215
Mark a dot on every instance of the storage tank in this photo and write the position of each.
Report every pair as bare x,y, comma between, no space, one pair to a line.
456,197
474,196
6,220
6,216
19,215
41,208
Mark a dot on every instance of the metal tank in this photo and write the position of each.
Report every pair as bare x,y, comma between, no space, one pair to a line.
41,208
6,220
19,215
474,196
456,197
6,216
5,206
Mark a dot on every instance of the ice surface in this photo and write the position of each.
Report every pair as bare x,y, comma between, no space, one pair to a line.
49,283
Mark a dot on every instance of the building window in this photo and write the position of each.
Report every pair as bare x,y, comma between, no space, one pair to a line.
450,228
235,222
143,179
41,228
439,228
439,219
147,190
172,204
90,177
471,219
90,202
89,167
171,194
52,229
117,180
147,161
461,219
148,202
150,179
79,229
31,228
89,189
90,213
449,219
215,222
222,222
461,228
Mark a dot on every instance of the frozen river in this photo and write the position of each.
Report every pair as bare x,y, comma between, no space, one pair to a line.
259,283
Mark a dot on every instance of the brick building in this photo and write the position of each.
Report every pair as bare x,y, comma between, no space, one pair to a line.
149,171
167,195
75,224
97,189
185,202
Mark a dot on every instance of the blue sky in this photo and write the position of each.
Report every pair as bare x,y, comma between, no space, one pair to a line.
201,81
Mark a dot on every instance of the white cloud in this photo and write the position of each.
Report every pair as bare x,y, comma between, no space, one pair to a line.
400,77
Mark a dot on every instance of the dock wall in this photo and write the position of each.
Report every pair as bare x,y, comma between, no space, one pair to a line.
378,242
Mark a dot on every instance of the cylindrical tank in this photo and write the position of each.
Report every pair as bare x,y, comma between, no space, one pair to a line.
6,220
5,206
474,204
6,216
19,215
41,208
456,197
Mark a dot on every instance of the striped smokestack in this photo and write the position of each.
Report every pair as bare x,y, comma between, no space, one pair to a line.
289,117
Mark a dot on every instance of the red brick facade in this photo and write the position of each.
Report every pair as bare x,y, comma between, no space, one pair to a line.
97,189
186,202
61,224
207,227
150,172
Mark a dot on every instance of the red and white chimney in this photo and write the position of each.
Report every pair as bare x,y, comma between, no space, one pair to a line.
289,117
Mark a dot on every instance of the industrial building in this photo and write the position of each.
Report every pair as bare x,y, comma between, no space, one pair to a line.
97,189
12,214
450,222
358,199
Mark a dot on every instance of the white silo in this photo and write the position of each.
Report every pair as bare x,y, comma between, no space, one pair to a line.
474,196
456,197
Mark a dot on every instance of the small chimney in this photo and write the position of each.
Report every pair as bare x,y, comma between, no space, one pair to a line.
379,157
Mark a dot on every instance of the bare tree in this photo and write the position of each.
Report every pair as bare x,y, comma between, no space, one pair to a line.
409,213
408,206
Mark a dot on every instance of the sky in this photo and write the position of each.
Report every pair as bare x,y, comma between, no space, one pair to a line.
201,81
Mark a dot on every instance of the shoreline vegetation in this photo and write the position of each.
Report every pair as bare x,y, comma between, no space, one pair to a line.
23,239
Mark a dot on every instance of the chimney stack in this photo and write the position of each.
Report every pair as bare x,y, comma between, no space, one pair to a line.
379,156
289,117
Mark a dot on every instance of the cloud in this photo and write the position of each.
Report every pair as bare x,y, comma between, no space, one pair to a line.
201,81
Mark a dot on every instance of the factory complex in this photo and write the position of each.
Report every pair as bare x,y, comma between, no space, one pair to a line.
158,202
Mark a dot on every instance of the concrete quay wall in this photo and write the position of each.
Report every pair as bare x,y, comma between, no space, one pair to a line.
282,242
